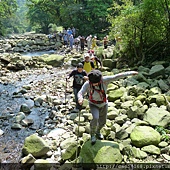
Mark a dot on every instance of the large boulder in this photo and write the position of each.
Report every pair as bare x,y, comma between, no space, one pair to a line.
144,135
157,117
109,63
156,70
115,94
35,145
163,86
102,152
69,147
53,59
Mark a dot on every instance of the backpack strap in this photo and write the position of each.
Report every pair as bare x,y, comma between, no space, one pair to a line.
101,93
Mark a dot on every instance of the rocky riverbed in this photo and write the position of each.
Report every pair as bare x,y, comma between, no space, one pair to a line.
27,90
39,126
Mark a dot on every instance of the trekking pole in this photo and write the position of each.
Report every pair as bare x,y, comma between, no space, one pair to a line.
80,107
65,92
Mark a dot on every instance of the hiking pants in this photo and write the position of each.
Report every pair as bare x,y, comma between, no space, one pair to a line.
76,90
99,115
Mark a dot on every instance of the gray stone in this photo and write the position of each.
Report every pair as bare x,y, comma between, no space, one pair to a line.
157,117
156,70
122,134
20,116
25,108
144,135
137,153
102,152
29,159
115,94
151,149
163,86
35,145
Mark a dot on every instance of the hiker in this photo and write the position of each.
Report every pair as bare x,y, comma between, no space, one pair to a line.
60,35
76,43
69,31
94,42
71,41
79,77
91,52
96,88
89,41
51,36
96,61
105,42
88,65
73,31
65,39
82,43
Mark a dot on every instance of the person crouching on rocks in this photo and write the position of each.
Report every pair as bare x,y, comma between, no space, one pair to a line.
96,88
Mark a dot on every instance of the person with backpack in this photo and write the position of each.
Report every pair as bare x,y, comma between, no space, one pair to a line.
96,88
76,43
94,42
79,77
65,39
88,65
89,41
95,59
71,41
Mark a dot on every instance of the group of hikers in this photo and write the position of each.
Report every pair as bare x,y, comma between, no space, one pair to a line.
87,78
69,39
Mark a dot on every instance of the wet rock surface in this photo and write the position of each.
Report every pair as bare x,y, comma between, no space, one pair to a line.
26,92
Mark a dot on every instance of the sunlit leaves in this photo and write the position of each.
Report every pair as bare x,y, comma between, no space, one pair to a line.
141,24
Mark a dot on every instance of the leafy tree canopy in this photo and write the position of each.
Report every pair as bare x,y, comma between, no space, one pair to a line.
7,10
87,16
143,27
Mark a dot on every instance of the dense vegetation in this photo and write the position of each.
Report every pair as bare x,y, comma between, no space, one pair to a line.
143,25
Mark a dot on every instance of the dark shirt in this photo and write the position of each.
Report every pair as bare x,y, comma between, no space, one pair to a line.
78,78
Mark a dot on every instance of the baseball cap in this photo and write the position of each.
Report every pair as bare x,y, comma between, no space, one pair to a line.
79,65
86,55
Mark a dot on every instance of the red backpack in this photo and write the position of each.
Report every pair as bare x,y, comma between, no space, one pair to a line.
101,93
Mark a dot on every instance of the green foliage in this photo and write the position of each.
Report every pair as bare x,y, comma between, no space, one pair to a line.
142,27
88,17
165,134
39,16
7,10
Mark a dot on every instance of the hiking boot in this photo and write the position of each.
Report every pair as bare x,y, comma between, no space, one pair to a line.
75,110
93,139
98,134
93,135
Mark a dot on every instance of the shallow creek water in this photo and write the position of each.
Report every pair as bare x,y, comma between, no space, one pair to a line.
12,140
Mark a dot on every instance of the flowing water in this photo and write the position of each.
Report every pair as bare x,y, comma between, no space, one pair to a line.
38,53
12,140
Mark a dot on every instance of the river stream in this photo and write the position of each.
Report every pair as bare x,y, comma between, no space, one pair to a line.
42,82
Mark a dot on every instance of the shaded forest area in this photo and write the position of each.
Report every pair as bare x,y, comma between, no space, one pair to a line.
143,25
